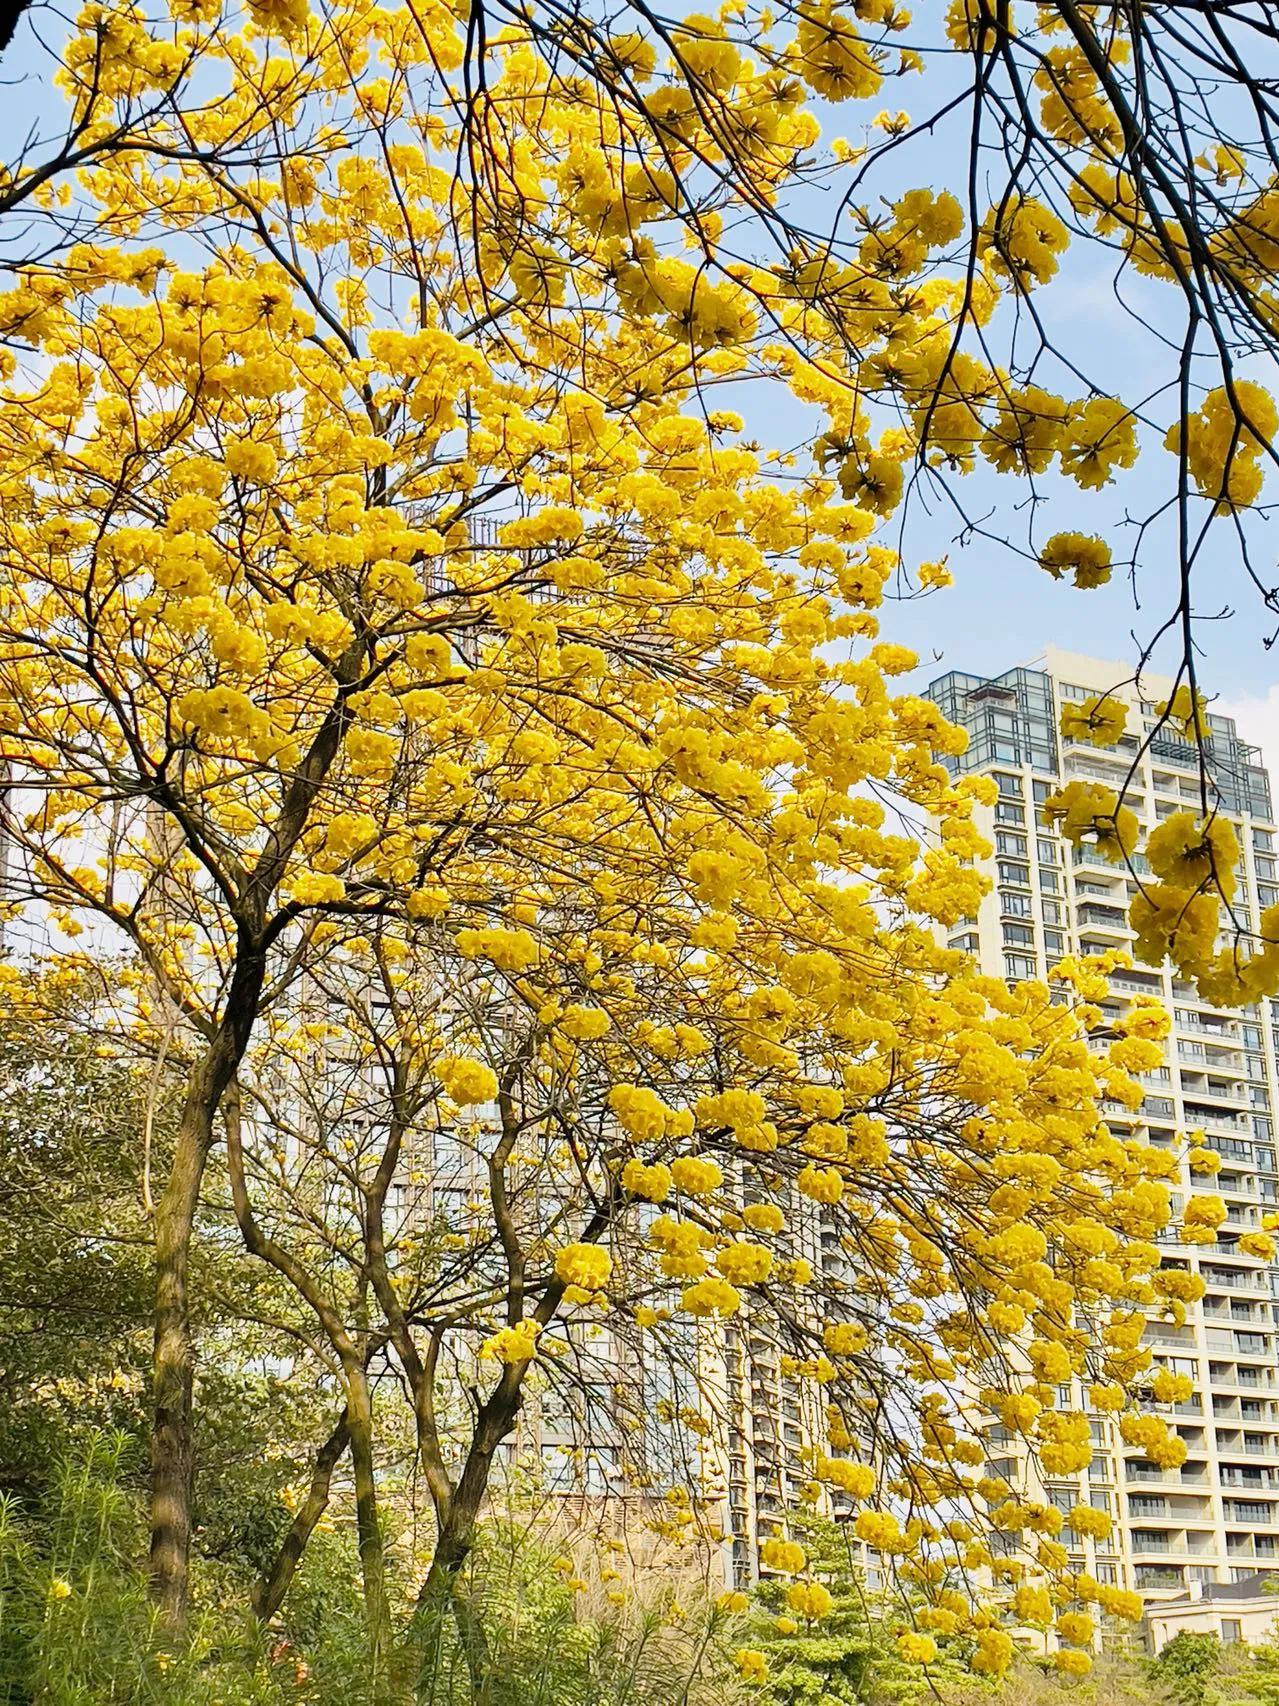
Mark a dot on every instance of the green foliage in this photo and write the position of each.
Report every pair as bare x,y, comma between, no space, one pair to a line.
1262,1672
850,1656
75,1244
77,1629
1185,1667
545,1644
76,1280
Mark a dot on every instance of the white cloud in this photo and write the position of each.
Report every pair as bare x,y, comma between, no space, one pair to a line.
1258,720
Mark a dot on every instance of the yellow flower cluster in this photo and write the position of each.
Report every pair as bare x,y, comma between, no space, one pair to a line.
583,1267
788,1556
809,1600
513,1344
1092,812
1224,441
651,1183
711,1297
467,1081
1084,557
695,1176
744,1263
1099,720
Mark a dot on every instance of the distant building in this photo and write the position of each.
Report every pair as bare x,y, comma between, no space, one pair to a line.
1215,1521
1232,1611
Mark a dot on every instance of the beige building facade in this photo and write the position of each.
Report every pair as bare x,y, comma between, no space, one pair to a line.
1234,1612
1215,1521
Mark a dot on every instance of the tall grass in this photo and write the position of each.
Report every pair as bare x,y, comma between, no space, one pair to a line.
77,1629
549,1642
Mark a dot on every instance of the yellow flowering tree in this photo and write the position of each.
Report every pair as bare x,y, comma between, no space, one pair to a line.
380,565
922,325
917,326
552,1168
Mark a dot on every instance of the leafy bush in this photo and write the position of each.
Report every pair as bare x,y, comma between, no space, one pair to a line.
76,1626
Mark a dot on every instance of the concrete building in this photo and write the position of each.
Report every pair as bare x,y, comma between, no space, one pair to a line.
1216,1520
1234,1612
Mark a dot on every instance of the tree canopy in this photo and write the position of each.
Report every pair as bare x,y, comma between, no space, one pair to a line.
482,736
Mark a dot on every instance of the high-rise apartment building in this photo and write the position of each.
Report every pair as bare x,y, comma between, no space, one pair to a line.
1217,1518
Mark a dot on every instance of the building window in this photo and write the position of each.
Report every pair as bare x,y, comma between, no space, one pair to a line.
1008,812
1054,942
1018,966
1049,880
1010,873
1019,935
1051,910
1008,784
1231,1631
1049,852
1013,844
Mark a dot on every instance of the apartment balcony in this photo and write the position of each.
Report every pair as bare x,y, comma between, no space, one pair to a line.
1086,854
1156,1576
1120,1111
1250,1546
1172,1338
1240,1344
1196,1086
1111,919
1233,1142
1205,1025
1219,1120
1136,1475
1137,986
1178,1508
1177,1545
1082,760
1201,1058
1237,1186
1268,1449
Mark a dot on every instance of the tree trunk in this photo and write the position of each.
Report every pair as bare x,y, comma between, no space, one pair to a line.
441,1595
270,1593
368,1528
173,1371
173,1361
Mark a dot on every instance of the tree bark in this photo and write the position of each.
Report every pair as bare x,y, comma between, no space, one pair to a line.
440,1595
368,1527
173,1360
11,13
270,1593
173,1371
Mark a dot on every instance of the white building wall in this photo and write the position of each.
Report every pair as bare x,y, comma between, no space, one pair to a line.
1217,1518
